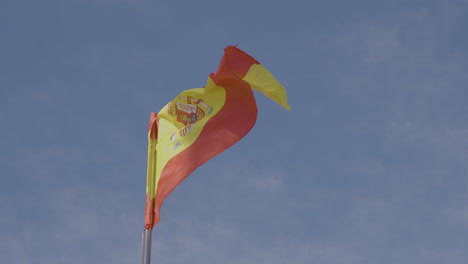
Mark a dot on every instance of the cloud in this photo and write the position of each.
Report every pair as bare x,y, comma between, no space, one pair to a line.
209,242
380,45
448,144
268,183
69,222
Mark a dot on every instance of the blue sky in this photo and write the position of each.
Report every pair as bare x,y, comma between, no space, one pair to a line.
370,165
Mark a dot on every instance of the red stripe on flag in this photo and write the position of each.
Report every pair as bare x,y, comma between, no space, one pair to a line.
228,126
153,126
235,62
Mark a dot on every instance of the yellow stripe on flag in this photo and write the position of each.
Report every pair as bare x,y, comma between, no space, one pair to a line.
263,81
174,136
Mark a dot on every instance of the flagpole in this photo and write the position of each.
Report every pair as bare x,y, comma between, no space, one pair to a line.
146,247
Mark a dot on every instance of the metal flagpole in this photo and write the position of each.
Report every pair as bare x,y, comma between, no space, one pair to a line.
146,247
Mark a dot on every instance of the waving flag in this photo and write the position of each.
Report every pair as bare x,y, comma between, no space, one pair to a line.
201,123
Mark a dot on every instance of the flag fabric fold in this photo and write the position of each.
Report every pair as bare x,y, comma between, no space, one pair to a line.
201,123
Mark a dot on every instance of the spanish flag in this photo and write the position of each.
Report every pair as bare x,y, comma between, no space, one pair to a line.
201,123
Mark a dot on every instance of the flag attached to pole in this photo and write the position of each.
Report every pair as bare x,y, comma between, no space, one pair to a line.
201,123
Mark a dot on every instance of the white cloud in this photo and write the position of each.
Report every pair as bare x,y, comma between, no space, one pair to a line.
380,45
269,183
